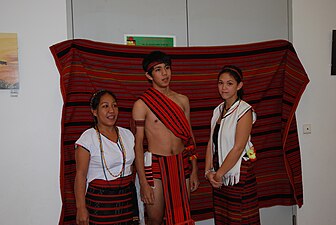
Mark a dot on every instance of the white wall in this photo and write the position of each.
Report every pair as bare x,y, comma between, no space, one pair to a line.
30,123
218,22
313,22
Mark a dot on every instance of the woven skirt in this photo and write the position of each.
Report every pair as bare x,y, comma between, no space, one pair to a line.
238,204
112,202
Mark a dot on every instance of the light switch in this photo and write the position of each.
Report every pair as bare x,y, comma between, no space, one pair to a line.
307,128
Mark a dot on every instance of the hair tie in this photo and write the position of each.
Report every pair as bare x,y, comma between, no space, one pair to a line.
236,71
94,96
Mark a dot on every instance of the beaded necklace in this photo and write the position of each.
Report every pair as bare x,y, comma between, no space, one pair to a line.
121,148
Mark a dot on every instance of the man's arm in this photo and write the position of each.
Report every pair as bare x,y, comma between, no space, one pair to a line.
139,116
194,181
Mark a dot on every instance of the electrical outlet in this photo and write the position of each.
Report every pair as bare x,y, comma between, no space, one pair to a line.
307,128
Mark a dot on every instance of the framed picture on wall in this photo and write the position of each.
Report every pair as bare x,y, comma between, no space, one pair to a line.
149,40
9,71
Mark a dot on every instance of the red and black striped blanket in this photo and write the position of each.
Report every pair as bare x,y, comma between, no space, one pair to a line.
274,80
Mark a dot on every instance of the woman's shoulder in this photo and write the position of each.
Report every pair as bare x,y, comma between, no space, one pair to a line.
125,131
86,138
245,107
219,107
244,104
88,132
126,135
217,110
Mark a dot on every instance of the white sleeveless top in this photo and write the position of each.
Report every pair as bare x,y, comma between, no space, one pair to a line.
226,136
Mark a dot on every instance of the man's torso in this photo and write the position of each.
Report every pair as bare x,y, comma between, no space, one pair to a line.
160,139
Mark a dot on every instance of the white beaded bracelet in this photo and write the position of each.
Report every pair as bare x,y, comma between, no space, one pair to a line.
209,171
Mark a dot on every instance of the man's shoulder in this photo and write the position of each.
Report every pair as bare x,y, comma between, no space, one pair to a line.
140,109
180,96
138,102
183,99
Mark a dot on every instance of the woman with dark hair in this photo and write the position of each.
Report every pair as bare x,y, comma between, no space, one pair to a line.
104,188
230,154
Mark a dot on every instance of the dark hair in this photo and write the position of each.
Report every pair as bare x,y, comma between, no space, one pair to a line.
155,57
236,73
95,99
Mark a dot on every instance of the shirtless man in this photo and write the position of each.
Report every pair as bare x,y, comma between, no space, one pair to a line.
161,140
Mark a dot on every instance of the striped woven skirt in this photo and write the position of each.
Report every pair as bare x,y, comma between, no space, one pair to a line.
238,204
112,202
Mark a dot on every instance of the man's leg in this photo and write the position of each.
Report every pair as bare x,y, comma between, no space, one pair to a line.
156,211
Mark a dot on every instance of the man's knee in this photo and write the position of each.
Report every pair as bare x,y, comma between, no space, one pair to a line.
155,215
155,220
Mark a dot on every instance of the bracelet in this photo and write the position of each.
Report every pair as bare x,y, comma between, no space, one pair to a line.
209,171
193,157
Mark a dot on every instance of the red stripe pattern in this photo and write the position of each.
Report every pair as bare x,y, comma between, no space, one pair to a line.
238,204
177,208
169,113
156,167
112,202
274,81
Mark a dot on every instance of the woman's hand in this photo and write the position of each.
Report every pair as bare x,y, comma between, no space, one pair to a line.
211,178
82,217
218,177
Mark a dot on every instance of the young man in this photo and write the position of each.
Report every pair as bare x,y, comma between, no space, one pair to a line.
168,170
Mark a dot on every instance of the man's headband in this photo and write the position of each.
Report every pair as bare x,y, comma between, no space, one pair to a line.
151,65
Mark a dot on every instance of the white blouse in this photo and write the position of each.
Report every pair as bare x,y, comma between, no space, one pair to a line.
112,152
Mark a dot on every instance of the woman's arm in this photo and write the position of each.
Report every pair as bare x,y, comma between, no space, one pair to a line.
208,159
209,170
82,165
243,132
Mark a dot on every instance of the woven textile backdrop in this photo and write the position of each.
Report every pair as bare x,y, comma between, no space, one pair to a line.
274,81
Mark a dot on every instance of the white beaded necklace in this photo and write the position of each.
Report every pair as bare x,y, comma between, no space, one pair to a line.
122,149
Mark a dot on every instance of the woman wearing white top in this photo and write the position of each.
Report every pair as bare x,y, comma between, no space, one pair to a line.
104,187
229,154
